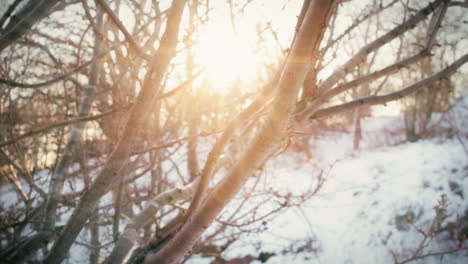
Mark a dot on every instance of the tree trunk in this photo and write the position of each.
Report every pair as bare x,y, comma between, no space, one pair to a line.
111,171
270,136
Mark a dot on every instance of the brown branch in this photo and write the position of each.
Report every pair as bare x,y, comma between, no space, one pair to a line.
264,144
96,29
214,155
433,254
182,86
68,74
209,169
94,117
355,24
109,174
13,179
9,11
60,77
172,143
382,99
435,24
22,250
61,124
58,177
324,97
460,4
24,19
361,55
23,174
122,28
129,236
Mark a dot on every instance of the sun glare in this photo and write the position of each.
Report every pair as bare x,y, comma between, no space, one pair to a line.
227,58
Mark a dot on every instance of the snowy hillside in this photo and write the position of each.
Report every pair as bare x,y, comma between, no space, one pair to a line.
373,201
354,217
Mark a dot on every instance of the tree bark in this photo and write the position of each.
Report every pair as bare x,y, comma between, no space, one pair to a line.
129,236
265,143
110,173
58,178
382,99
24,19
361,55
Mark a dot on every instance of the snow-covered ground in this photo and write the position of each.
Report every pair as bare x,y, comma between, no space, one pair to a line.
359,214
354,216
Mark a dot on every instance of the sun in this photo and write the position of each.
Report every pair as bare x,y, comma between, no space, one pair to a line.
227,57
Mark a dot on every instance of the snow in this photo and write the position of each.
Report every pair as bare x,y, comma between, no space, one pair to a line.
355,211
353,218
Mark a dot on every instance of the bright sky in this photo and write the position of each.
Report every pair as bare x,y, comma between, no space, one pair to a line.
226,57
232,52
230,55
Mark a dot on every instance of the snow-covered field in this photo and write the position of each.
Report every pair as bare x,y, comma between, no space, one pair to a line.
373,201
354,215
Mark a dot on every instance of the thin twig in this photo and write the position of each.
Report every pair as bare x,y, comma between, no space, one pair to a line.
60,124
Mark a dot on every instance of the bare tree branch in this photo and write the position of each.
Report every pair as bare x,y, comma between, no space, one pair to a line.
434,24
20,252
382,99
8,12
60,124
59,176
60,77
122,28
356,23
324,97
265,143
70,73
460,4
128,238
361,55
24,19
158,67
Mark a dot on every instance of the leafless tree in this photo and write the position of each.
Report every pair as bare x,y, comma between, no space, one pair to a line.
96,112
